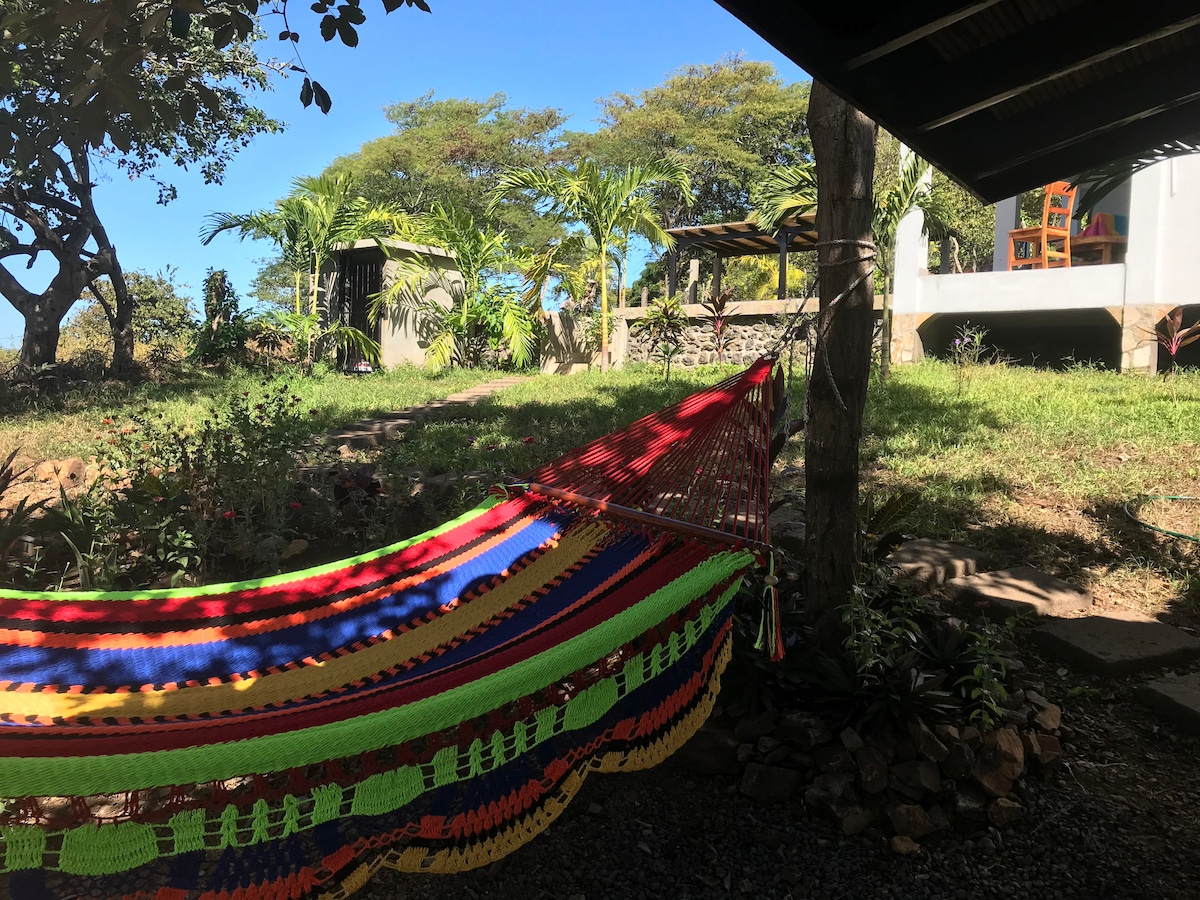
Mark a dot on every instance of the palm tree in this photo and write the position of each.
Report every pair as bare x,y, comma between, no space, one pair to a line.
319,214
307,225
792,190
610,205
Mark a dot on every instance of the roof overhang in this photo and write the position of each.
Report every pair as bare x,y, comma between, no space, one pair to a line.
1002,95
397,246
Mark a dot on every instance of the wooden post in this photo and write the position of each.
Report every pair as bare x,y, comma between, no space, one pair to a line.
672,274
844,149
783,239
718,271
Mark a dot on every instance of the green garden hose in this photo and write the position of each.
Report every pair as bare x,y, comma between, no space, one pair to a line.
1146,497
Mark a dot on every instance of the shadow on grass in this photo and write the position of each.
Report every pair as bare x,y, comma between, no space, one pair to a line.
906,414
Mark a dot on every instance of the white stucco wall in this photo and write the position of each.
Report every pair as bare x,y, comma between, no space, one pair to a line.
1162,263
1163,257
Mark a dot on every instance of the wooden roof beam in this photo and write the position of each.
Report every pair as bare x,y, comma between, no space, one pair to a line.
921,32
1104,107
1133,137
995,74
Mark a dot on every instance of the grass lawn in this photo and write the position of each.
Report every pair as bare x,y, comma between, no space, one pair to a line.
1037,467
1031,465
57,427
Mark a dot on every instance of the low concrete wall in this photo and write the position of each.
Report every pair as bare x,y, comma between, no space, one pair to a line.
1079,287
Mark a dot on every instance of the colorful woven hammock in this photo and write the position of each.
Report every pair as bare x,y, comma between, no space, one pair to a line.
429,707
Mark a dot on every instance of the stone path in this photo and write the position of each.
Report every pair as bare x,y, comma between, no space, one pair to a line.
1116,643
375,432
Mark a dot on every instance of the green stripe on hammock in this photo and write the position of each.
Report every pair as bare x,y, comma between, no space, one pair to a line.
209,590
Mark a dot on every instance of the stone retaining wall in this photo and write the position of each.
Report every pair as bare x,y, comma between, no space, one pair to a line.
747,338
752,330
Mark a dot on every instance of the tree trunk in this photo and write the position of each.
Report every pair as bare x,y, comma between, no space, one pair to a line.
603,306
39,343
121,324
844,149
885,332
44,313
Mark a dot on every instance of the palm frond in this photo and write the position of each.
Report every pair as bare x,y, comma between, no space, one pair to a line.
786,192
1098,183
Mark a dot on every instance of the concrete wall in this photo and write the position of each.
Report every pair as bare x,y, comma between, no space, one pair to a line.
402,336
1163,256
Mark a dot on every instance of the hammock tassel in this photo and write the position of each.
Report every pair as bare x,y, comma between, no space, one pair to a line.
770,628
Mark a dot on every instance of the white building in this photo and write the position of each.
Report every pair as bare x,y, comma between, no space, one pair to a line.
1099,313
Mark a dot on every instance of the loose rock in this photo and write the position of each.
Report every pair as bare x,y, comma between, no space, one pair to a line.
1003,812
769,784
910,820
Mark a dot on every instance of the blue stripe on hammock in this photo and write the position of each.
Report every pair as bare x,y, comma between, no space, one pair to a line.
603,566
198,662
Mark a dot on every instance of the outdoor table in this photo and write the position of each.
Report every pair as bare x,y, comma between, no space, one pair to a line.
1099,249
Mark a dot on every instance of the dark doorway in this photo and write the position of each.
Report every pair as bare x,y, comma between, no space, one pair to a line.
360,276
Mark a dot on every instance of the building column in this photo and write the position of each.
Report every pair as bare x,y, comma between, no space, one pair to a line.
1008,217
1139,346
693,279
784,239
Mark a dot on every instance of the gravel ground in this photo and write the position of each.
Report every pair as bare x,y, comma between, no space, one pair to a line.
1121,819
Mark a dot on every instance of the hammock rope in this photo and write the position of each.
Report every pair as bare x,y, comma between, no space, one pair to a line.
427,707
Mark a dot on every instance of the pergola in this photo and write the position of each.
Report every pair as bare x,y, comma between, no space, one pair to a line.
734,239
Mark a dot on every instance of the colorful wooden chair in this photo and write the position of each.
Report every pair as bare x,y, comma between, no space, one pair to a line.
1049,243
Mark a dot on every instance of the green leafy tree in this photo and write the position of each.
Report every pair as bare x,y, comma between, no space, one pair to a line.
53,130
974,227
609,205
729,123
452,152
307,226
274,286
792,191
224,331
486,311
160,313
102,76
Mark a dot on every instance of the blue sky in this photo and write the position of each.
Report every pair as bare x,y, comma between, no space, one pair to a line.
560,53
